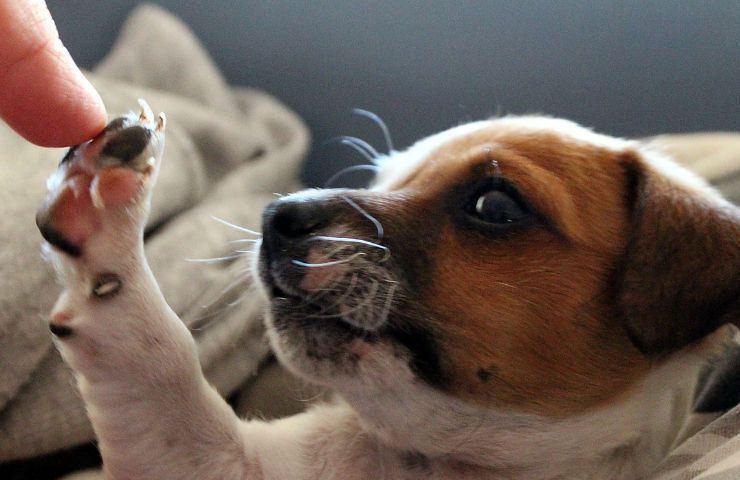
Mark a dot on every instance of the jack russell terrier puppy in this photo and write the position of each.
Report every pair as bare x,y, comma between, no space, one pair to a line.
518,298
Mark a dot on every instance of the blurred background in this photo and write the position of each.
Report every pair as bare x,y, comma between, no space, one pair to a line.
629,68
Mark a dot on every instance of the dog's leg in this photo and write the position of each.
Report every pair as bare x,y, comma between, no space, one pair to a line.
153,412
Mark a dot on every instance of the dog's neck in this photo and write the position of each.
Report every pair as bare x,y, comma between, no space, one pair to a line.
625,439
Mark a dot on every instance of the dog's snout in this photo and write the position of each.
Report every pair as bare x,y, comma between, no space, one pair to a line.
293,219
288,220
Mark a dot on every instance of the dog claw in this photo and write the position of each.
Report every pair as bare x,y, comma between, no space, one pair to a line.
161,122
145,111
95,196
151,164
107,285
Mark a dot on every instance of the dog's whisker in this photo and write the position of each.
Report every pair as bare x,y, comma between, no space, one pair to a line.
336,251
348,291
210,318
369,298
237,227
386,250
236,302
215,259
387,304
368,156
360,145
379,121
344,171
322,292
245,240
303,399
333,287
366,309
326,264
346,240
364,213
247,276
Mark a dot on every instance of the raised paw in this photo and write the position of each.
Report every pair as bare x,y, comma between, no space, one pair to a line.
103,182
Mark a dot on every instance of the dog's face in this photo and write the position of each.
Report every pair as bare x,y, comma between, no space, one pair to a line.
524,264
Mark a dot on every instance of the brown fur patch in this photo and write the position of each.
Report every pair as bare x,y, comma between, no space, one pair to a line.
565,314
681,269
533,307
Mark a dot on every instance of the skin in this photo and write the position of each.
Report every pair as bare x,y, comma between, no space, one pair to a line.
43,95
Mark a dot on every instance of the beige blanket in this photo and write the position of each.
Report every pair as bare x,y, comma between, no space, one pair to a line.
228,150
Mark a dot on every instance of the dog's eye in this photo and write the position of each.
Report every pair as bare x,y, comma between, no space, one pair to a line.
498,207
493,206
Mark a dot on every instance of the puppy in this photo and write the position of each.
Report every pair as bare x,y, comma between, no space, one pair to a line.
514,298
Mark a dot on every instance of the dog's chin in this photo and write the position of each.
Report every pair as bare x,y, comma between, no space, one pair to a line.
296,312
320,337
312,342
331,351
293,312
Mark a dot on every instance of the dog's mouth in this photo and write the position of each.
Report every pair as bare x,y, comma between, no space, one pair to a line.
335,294
329,326
339,312
299,311
280,293
321,282
276,293
279,281
278,285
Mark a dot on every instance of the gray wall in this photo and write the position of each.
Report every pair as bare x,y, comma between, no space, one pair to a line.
626,68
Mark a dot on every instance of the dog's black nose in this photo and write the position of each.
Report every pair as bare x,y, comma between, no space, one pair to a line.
287,220
293,219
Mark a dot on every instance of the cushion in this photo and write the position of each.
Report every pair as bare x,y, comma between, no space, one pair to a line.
713,155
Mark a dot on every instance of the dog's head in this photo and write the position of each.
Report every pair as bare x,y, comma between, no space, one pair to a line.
524,263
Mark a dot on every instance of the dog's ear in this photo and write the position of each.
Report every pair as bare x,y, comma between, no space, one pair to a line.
680,276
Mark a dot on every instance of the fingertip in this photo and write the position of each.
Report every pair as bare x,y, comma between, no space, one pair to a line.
52,103
78,116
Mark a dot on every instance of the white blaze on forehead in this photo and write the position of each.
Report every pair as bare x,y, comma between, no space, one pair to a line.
650,155
558,126
307,194
396,169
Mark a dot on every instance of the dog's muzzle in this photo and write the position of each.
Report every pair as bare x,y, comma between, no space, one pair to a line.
320,256
288,227
287,221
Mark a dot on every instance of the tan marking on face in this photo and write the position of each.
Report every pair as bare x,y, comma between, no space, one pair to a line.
526,321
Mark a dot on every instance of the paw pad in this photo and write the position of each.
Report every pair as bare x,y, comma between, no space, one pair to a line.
114,169
107,285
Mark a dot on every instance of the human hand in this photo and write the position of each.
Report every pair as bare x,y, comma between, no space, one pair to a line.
43,95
